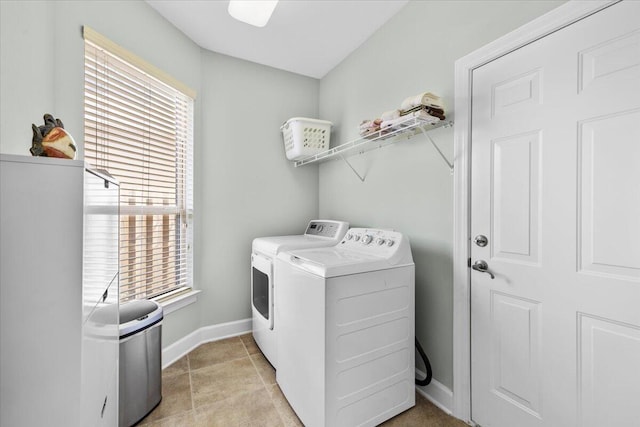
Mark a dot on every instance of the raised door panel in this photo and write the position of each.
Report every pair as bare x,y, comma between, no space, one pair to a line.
616,59
515,197
609,209
515,352
609,378
517,93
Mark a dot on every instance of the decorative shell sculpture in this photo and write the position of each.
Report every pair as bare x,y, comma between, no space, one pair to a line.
51,140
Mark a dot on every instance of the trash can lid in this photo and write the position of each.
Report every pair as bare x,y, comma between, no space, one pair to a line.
136,309
138,315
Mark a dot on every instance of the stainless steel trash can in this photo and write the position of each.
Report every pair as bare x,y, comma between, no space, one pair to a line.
140,360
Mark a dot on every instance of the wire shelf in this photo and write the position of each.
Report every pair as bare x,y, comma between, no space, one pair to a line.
375,140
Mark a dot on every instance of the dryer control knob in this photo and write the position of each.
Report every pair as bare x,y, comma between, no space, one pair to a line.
390,242
380,241
356,237
349,237
367,239
320,228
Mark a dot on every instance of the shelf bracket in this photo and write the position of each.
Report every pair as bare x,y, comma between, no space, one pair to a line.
352,168
437,149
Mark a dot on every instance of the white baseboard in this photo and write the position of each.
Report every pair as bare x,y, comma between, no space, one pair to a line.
436,393
175,351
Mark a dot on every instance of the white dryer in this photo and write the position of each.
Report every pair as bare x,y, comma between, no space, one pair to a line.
264,278
346,321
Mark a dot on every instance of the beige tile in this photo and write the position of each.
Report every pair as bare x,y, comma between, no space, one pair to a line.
217,352
424,414
250,344
180,366
265,370
176,398
186,419
289,417
224,380
250,409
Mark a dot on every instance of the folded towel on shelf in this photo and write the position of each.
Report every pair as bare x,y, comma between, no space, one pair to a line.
369,126
424,116
425,98
390,115
436,112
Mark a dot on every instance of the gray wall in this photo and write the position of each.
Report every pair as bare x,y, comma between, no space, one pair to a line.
244,187
408,187
26,71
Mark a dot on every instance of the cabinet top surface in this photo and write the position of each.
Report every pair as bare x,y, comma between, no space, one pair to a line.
16,158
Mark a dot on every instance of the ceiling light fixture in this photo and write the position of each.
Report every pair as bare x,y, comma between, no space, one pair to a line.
253,12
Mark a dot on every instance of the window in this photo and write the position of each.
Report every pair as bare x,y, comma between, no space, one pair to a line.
139,127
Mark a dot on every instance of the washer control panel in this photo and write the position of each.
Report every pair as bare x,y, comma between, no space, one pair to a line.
326,228
373,241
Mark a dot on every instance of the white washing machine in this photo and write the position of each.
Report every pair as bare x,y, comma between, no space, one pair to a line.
346,321
264,278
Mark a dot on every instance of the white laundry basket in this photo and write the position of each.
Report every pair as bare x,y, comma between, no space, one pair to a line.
305,137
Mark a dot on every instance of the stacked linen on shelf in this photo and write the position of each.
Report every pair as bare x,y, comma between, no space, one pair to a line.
369,128
390,119
391,115
426,99
434,112
425,107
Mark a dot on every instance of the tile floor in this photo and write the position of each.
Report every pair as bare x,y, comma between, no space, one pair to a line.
230,383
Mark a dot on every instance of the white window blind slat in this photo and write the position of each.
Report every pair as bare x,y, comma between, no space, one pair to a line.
129,94
126,117
141,130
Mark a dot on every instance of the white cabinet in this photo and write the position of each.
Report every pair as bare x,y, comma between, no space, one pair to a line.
45,317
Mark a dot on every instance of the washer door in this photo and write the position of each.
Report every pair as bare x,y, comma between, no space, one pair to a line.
262,286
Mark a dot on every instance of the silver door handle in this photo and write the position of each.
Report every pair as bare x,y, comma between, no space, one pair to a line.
481,240
482,267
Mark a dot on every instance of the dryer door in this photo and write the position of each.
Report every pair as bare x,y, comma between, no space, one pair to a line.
262,286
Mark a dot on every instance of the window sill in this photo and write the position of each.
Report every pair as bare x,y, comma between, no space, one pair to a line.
169,305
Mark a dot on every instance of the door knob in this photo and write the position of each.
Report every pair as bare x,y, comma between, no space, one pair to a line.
481,240
482,267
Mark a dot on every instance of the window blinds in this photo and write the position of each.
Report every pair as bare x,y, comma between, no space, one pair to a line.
140,129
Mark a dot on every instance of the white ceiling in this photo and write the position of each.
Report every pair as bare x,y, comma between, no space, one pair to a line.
308,37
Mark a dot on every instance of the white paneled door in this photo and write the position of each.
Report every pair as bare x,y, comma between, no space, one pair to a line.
555,216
